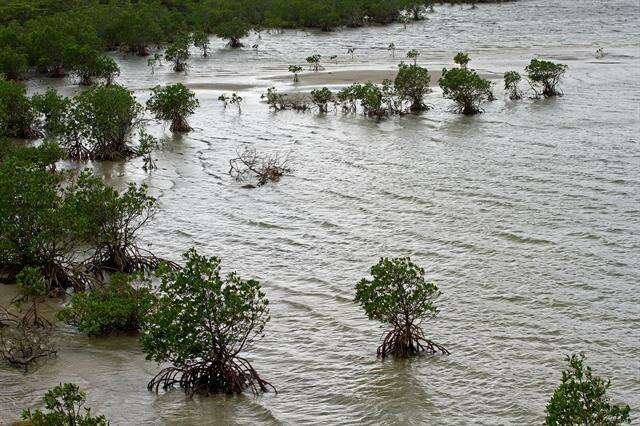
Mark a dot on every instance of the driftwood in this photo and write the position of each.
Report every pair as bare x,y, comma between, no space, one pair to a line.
249,165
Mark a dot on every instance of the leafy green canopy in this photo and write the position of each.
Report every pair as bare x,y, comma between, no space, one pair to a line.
116,306
112,221
101,122
411,84
545,76
36,227
466,88
321,97
398,294
201,314
64,406
17,117
582,399
173,102
53,108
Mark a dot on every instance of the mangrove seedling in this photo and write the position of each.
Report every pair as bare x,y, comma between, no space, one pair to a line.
462,59
233,31
64,405
351,51
173,102
233,100
34,288
411,84
116,306
400,296
545,76
466,88
392,49
178,53
147,144
201,323
322,97
413,54
511,81
295,69
581,399
201,41
314,61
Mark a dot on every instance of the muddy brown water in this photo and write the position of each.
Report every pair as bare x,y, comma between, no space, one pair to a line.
527,217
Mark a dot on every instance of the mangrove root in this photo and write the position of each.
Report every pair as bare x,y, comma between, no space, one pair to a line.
230,376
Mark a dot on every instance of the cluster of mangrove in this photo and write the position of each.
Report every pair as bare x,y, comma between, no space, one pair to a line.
406,92
200,321
56,38
101,123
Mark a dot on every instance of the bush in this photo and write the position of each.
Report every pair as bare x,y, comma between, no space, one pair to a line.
54,109
462,59
295,69
17,117
321,97
178,53
64,406
201,323
545,76
233,31
173,102
112,223
13,64
37,228
411,84
314,61
116,306
511,81
101,122
466,88
582,399
398,295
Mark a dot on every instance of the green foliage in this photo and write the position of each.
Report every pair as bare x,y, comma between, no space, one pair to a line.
53,108
511,81
545,76
36,227
32,283
201,41
13,64
582,399
173,102
202,314
399,296
398,292
314,61
411,84
112,221
201,323
116,306
101,121
233,31
321,97
295,69
147,144
234,99
17,117
178,53
64,406
413,54
462,59
466,88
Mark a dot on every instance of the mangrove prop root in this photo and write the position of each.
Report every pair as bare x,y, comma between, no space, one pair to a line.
128,260
406,341
231,376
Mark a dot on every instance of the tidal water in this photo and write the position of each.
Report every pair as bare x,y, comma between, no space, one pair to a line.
526,216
